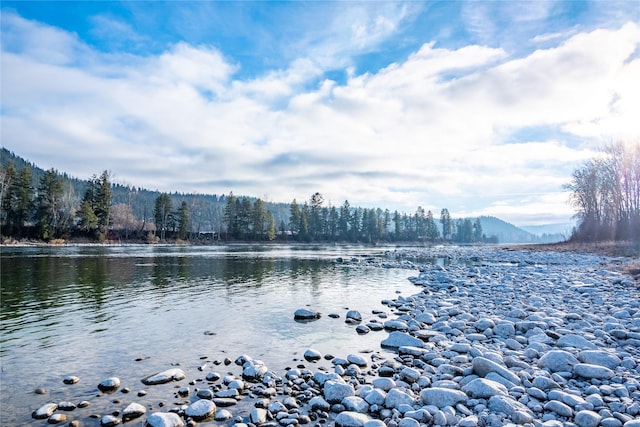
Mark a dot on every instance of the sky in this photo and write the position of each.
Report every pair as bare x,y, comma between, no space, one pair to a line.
480,107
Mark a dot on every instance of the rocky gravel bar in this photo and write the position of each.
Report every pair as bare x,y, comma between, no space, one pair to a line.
493,337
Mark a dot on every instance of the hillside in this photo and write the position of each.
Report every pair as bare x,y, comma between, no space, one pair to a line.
509,233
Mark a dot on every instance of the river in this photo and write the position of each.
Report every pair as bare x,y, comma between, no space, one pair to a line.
92,311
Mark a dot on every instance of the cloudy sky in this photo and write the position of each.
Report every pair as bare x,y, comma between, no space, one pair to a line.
482,107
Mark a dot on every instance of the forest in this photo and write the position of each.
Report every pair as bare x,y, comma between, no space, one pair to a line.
49,206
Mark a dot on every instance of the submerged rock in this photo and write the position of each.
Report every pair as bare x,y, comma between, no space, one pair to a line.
164,419
306,314
164,377
45,411
109,384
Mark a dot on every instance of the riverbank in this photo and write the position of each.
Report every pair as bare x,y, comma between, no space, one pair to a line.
492,337
628,251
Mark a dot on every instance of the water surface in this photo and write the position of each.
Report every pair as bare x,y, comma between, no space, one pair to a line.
91,311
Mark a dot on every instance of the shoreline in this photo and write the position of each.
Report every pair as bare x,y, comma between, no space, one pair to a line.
472,350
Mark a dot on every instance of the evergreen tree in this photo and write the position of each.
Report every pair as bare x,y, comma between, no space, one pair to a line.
344,220
163,214
259,218
477,231
230,215
271,226
294,218
184,221
48,205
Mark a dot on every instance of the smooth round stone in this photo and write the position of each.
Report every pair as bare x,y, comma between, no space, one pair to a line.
213,377
132,411
354,315
165,419
441,397
351,419
482,388
57,418
71,379
559,408
589,371
357,359
45,411
363,329
312,355
66,406
205,393
223,415
109,421
587,419
305,314
201,409
164,377
109,384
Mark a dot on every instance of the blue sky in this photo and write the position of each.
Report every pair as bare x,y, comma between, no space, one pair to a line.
482,107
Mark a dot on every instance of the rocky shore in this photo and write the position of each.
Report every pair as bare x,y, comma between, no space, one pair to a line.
493,337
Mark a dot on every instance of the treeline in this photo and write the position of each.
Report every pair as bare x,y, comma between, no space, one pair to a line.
312,221
606,193
50,209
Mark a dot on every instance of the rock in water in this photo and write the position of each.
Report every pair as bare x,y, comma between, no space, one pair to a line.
312,355
45,411
133,411
109,384
164,377
201,409
305,314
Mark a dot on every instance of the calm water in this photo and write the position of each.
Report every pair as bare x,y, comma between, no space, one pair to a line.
91,311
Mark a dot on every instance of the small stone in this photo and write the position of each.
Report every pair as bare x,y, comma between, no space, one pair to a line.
109,421
70,379
109,384
164,377
559,408
132,411
57,418
312,355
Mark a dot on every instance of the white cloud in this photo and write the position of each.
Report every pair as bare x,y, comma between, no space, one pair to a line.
434,130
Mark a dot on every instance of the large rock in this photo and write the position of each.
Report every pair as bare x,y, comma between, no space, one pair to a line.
201,410
558,361
400,339
164,419
351,419
335,391
355,404
576,341
483,366
515,410
441,397
164,377
45,411
587,419
599,357
305,314
482,388
396,397
589,371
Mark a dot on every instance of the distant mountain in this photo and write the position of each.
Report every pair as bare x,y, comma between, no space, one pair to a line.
504,231
563,228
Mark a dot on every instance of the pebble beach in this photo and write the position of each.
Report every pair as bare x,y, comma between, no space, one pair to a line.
494,337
